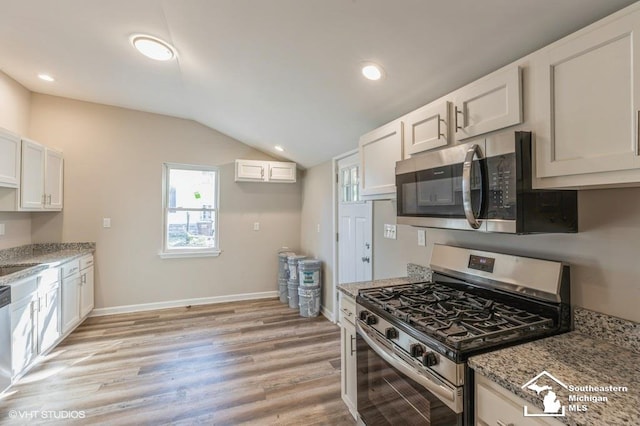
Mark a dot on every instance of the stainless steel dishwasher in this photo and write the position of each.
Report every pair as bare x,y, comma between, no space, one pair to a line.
5,337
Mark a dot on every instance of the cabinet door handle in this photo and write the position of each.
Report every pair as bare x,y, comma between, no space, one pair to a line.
461,112
501,423
346,312
44,199
352,350
262,172
49,199
440,120
270,172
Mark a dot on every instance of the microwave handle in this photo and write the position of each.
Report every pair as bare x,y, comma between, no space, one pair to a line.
466,185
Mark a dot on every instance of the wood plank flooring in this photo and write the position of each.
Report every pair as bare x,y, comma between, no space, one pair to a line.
254,362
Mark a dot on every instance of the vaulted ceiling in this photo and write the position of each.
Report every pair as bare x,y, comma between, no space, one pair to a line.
278,72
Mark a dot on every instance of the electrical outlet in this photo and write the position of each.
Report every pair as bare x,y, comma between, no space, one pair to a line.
318,228
106,222
256,226
422,237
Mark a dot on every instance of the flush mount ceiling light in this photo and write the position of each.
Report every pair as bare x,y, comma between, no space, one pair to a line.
372,71
279,148
153,47
46,77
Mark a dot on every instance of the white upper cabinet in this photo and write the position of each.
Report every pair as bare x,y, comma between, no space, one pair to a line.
379,151
53,183
32,188
9,159
42,177
426,128
490,103
265,171
587,105
282,171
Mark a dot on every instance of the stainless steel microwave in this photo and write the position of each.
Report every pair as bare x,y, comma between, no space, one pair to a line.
483,185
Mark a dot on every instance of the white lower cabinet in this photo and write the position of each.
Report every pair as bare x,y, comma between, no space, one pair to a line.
86,286
348,359
71,282
24,324
495,405
49,326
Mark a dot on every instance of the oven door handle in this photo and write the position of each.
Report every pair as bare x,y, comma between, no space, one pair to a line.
447,394
466,185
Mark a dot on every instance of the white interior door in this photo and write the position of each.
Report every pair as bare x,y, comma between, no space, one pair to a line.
354,226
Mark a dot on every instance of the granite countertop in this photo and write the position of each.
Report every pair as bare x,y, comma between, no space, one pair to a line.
38,257
415,274
585,357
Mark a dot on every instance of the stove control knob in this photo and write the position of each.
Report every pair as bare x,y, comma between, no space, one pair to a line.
429,359
416,350
371,319
364,315
391,333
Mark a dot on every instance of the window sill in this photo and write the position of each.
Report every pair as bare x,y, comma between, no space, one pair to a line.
187,254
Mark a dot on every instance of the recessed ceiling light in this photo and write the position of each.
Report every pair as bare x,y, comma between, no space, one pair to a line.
46,77
279,148
153,47
372,71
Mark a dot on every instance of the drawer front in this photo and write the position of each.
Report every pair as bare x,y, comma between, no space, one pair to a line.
86,262
49,277
347,315
70,268
23,288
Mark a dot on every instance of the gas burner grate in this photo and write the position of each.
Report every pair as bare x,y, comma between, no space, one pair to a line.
458,318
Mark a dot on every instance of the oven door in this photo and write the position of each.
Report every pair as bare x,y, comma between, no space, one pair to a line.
393,392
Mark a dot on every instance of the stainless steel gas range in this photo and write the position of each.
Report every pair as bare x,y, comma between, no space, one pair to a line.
413,340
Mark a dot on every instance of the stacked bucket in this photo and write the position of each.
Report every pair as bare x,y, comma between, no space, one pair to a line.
283,275
309,287
293,282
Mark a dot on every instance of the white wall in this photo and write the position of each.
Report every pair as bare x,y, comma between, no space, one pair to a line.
317,210
113,168
14,116
605,270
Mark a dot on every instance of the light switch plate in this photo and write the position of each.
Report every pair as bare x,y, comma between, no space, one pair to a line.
390,231
256,226
106,222
1,228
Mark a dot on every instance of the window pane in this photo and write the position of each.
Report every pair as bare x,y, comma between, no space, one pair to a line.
191,229
345,177
354,175
346,194
192,188
356,194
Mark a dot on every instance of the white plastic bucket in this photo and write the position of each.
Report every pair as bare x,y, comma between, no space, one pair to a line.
309,301
309,273
293,295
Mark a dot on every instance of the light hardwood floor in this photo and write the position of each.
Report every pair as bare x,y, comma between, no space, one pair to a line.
254,362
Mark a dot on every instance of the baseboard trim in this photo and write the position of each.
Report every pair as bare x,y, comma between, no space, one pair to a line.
327,314
125,309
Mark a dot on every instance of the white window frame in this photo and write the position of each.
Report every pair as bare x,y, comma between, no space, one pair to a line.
166,252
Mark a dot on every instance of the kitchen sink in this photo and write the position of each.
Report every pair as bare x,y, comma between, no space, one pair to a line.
7,270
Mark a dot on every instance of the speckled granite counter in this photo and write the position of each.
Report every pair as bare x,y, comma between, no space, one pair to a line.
38,257
415,274
579,358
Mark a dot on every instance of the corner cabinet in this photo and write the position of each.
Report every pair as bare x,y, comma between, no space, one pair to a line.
490,103
589,104
379,150
42,177
265,171
348,361
9,159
